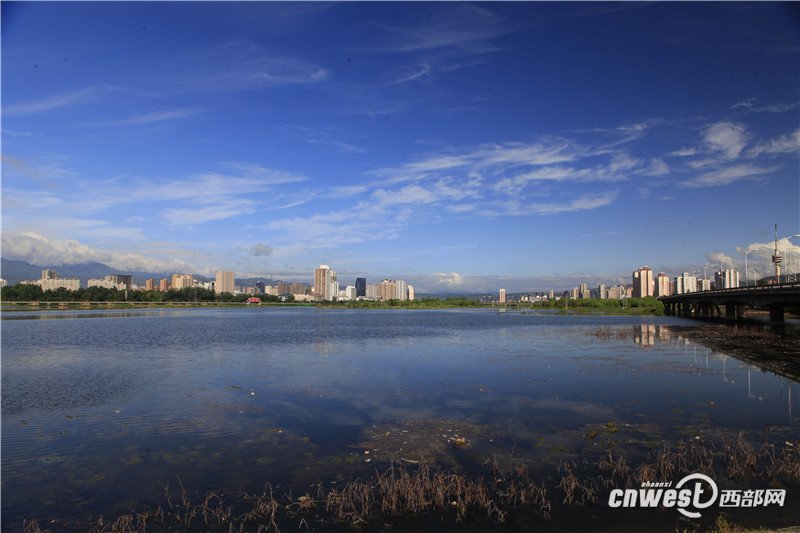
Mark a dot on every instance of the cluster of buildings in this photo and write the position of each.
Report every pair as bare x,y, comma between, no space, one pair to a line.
326,287
50,282
644,283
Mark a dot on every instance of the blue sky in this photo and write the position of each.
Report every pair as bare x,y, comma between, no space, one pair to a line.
458,146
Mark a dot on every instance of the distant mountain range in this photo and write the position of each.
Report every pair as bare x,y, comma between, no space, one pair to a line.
15,271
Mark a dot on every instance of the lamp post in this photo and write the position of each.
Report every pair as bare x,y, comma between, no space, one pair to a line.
786,253
746,279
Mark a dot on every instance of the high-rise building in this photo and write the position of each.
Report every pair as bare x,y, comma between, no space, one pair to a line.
703,284
726,279
326,285
685,283
284,288
373,291
388,290
602,293
583,291
643,282
502,296
401,290
361,287
149,284
121,279
50,281
411,293
350,292
108,282
163,285
299,288
225,282
662,285
260,286
182,281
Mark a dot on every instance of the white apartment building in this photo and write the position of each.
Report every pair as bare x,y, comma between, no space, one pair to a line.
685,283
726,279
225,282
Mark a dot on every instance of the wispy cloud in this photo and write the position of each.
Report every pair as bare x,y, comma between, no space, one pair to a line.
468,27
744,104
192,216
785,144
581,203
775,108
728,175
422,70
50,103
685,152
234,67
335,137
168,115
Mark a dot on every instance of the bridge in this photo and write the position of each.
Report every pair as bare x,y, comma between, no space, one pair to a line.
708,304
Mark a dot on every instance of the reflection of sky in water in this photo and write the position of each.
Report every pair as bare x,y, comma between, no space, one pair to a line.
99,410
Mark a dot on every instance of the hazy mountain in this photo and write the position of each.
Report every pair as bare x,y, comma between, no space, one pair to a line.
15,271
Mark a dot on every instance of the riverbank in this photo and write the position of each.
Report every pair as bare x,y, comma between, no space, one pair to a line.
392,304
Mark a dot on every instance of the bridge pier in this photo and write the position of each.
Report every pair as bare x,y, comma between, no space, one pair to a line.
734,311
776,315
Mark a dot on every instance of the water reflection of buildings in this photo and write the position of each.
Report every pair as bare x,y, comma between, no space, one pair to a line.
645,335
703,360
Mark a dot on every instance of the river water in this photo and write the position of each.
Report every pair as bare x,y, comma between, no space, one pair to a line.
101,409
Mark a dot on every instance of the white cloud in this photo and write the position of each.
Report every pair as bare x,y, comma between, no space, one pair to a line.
37,249
785,144
465,29
192,216
657,167
746,103
449,279
155,117
581,203
232,67
728,175
775,108
48,104
728,138
759,258
685,152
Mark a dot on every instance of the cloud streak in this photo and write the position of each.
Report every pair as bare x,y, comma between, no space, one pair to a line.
51,103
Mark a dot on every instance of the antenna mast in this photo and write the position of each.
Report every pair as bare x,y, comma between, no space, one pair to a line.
776,258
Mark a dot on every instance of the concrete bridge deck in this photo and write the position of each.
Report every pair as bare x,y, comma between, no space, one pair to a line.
709,304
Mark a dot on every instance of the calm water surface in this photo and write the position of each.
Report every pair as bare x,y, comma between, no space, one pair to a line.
101,409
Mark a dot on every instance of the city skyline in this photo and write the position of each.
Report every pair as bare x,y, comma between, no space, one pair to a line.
450,145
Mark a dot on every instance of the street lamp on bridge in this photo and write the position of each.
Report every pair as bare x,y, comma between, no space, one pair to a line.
746,280
791,278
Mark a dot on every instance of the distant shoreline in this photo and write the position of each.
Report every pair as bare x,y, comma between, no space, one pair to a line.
73,306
